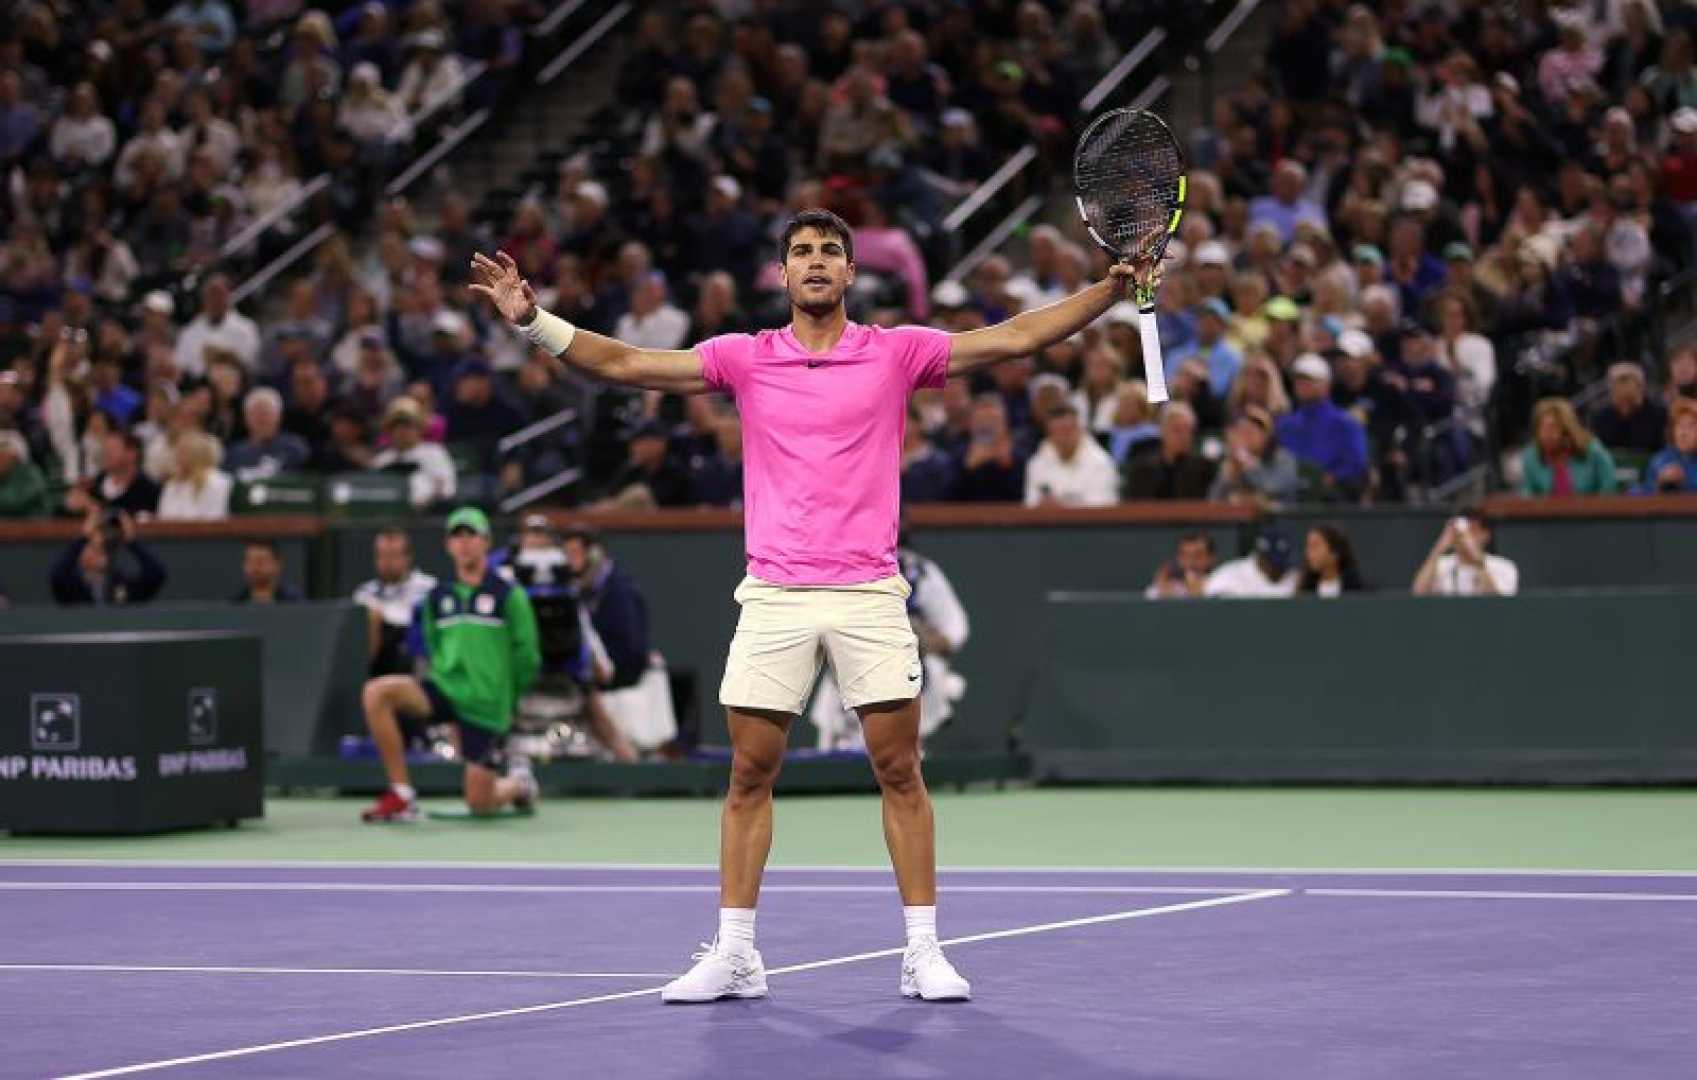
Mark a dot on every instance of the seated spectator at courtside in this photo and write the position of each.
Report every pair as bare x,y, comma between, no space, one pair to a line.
650,477
614,603
262,576
121,485
1329,568
429,469
1171,469
1631,419
928,473
993,467
23,490
1323,435
268,449
1264,574
1256,469
389,599
198,489
1674,469
1563,458
1461,562
1070,468
1185,575
107,564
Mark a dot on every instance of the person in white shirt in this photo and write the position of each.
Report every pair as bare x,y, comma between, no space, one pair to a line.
153,136
432,470
217,324
1070,469
198,490
651,322
433,76
1460,563
1263,574
83,137
389,600
940,622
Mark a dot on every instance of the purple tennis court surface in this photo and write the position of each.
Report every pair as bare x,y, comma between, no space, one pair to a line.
293,970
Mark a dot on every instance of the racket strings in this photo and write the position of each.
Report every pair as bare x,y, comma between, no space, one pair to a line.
1126,172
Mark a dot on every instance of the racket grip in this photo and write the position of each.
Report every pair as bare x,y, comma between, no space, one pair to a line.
1154,372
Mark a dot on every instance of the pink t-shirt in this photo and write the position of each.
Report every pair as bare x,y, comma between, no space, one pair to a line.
822,445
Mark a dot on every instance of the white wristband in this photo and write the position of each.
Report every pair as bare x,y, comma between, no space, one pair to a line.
549,331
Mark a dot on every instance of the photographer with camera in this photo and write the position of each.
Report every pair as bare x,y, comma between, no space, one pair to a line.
107,564
1461,564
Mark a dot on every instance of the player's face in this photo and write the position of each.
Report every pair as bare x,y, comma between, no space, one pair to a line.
817,271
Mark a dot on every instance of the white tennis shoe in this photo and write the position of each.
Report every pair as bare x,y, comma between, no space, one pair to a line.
927,974
718,973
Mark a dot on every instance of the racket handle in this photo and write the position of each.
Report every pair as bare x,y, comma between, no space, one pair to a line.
1154,373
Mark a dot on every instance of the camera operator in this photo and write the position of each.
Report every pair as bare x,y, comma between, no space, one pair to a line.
389,600
107,564
573,658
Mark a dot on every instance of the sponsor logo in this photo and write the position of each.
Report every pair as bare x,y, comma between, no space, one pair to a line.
201,762
55,721
485,604
203,716
67,767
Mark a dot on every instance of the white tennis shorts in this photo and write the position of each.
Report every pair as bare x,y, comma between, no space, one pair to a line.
786,632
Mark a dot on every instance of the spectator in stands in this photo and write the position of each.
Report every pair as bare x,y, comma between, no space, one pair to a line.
1470,358
1682,375
217,324
1428,387
390,598
433,76
1674,469
210,21
1329,568
198,490
107,564
1461,563
1210,344
716,478
1097,397
477,415
1185,575
1630,420
650,477
23,490
1132,427
430,471
993,467
268,449
1287,205
1263,574
1563,458
1172,469
262,576
929,474
1258,383
1070,468
121,484
652,322
1256,470
83,137
1323,435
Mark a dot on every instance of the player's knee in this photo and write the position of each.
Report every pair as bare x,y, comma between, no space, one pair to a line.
898,771
752,777
374,696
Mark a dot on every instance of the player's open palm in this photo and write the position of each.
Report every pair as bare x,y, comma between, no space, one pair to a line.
503,285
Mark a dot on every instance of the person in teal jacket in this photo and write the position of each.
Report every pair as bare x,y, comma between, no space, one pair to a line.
1674,468
1563,458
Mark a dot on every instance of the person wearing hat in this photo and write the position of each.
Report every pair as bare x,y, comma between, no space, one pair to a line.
1323,436
1429,387
430,470
433,76
1211,346
823,403
1679,161
478,415
1265,573
477,632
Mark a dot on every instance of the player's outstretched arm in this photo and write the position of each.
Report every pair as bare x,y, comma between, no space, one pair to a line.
498,280
1031,331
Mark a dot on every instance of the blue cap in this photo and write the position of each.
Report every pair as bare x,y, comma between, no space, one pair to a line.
1215,306
1275,547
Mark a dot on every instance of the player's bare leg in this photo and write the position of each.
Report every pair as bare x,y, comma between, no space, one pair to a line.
892,743
745,824
383,698
731,967
487,792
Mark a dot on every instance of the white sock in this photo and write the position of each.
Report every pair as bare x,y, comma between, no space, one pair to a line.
736,929
921,922
405,791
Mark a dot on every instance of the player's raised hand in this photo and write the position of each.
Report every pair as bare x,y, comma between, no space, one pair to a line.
1141,276
502,284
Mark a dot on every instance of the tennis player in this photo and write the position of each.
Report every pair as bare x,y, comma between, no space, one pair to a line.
823,404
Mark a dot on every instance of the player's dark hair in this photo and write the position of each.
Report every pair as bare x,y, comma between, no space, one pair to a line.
822,220
1198,537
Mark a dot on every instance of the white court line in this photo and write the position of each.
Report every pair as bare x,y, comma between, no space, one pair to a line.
1502,894
554,1006
475,887
183,969
829,868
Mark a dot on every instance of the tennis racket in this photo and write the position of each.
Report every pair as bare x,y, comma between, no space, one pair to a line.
1128,173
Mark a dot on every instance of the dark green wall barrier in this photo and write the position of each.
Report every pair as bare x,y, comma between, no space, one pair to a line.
313,658
1587,686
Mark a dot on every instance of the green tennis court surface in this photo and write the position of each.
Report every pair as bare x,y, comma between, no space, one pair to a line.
1284,827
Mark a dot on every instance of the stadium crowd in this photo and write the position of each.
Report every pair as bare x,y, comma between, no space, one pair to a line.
1409,238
